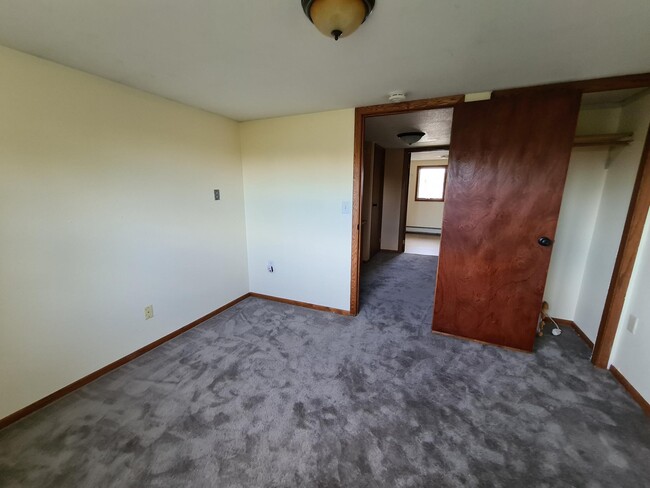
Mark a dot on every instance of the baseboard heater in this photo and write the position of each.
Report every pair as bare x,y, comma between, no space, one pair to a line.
424,230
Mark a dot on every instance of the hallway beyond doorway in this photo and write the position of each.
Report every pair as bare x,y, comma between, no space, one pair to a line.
424,244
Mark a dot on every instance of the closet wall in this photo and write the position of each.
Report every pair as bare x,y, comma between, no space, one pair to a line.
580,202
594,208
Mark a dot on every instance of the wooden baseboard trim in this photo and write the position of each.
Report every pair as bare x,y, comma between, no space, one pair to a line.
578,330
311,306
29,409
636,396
427,231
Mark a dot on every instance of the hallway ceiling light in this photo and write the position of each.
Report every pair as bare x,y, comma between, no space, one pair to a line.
337,18
410,138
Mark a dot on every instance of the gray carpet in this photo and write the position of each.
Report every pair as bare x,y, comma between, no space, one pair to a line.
271,395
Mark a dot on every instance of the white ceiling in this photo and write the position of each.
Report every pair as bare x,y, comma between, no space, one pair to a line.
436,125
249,59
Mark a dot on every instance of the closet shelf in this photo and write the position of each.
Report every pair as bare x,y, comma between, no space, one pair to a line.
621,139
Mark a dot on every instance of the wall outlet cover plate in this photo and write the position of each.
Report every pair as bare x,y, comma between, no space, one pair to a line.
632,324
148,312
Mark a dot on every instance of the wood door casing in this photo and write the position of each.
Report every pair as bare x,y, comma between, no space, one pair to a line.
377,200
404,199
366,201
507,166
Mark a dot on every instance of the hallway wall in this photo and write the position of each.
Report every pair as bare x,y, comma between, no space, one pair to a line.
423,214
393,174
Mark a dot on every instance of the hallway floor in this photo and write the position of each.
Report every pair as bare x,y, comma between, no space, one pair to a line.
423,244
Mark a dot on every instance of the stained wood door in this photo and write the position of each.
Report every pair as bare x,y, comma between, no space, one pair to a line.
377,199
507,165
366,200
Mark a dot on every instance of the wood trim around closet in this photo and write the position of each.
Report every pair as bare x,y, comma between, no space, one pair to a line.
625,260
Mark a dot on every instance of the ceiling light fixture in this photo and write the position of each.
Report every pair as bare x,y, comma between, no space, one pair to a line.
410,138
337,18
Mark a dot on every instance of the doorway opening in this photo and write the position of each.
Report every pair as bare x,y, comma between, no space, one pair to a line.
635,218
425,200
403,190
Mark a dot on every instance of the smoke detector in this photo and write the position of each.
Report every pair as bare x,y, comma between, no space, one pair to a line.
396,96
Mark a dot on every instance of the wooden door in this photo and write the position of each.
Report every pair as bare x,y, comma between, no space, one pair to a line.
366,200
377,199
507,165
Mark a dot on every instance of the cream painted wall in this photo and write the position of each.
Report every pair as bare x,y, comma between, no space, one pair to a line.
631,352
297,174
393,175
423,214
577,220
598,120
612,212
106,206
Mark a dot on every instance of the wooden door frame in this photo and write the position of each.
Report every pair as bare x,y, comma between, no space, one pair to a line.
631,235
380,203
625,259
360,116
403,204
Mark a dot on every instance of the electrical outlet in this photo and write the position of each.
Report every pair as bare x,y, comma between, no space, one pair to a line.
632,324
148,312
269,267
217,195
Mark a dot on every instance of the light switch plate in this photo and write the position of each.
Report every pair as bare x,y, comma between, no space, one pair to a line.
346,208
217,195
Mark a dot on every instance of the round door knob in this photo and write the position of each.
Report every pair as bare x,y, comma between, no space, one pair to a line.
544,241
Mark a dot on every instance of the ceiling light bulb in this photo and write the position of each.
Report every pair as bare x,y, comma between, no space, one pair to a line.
337,18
